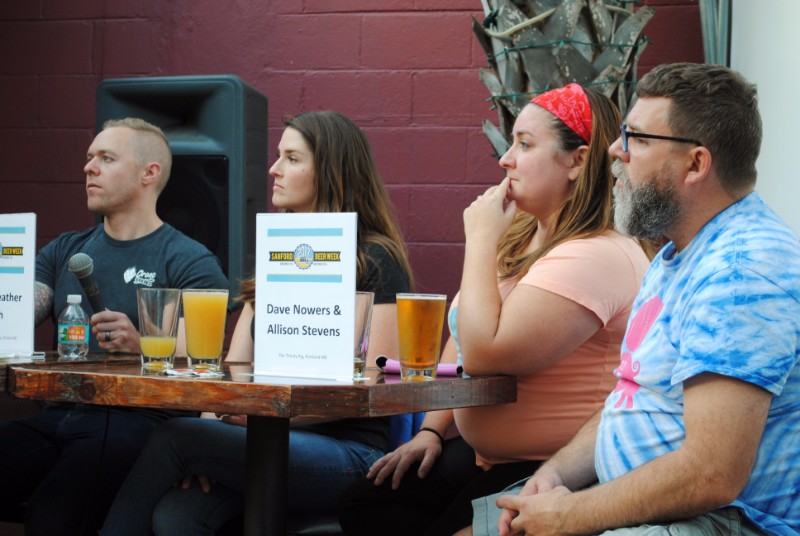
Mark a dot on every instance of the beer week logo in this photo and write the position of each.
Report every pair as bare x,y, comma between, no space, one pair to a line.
304,256
12,251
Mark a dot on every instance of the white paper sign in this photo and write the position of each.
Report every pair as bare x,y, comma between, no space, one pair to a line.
305,295
17,275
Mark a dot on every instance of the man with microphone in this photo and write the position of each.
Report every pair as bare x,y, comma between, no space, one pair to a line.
68,461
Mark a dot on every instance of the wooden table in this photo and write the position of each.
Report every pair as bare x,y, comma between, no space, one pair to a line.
52,357
269,403
4,368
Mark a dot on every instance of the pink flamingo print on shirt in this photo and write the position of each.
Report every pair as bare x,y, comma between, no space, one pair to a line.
628,368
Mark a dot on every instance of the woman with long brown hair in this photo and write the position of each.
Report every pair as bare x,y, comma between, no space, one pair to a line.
545,294
324,164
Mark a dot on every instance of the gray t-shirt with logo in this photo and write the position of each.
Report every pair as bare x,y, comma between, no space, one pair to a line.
166,258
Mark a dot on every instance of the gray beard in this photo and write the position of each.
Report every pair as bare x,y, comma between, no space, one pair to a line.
646,211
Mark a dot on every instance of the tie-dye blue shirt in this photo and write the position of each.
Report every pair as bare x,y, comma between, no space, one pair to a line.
728,304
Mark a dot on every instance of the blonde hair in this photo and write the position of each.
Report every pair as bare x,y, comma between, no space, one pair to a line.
150,145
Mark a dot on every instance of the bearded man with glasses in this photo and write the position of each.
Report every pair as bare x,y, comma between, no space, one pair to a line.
701,434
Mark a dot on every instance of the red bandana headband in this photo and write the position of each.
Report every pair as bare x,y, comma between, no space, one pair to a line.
571,105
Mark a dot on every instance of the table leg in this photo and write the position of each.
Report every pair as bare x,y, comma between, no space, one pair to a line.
267,472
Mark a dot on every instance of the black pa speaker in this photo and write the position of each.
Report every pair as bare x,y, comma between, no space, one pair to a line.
217,131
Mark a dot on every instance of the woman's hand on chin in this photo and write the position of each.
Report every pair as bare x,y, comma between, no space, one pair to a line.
490,215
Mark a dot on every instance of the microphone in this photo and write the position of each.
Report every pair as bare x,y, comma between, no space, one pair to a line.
81,265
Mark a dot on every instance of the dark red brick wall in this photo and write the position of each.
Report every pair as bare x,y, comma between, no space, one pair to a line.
405,70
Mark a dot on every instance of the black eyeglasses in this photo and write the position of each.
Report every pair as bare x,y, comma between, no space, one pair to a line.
625,134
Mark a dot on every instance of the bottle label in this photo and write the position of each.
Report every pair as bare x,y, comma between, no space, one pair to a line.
73,334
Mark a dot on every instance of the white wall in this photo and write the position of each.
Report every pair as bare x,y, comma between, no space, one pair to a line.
764,49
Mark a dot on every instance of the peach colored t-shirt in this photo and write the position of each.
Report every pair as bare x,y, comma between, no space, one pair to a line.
602,274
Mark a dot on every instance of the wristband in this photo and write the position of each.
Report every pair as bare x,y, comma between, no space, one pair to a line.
431,430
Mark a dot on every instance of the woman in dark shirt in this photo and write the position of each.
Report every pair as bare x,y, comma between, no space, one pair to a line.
324,164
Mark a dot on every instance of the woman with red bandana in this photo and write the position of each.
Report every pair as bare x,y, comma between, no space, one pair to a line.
545,296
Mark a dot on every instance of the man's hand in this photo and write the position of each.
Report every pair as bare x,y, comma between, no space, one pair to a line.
424,446
115,332
542,514
542,481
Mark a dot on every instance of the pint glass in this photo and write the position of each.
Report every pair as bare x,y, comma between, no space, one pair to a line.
205,312
419,329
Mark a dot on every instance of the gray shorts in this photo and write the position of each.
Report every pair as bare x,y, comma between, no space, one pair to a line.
727,521
486,514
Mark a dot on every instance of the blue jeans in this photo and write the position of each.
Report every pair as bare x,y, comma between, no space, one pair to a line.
67,463
320,467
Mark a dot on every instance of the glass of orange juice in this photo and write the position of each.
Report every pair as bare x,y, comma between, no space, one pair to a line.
420,318
158,326
205,312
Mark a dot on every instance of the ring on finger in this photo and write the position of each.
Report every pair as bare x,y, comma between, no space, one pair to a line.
108,336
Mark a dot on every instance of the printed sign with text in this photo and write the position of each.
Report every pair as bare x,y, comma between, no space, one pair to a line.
305,295
17,275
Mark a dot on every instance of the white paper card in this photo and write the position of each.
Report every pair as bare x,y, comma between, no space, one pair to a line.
305,295
17,276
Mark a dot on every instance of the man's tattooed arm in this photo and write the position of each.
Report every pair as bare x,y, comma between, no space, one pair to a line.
43,302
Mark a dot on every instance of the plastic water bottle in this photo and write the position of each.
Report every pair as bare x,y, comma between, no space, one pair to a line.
73,330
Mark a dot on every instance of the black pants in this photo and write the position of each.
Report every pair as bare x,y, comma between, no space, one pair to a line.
438,505
67,462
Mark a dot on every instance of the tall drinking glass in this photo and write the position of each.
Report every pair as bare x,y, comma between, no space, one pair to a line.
363,317
158,326
205,312
419,328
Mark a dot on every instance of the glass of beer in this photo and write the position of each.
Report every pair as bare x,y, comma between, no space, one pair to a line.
158,326
419,329
205,312
363,316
